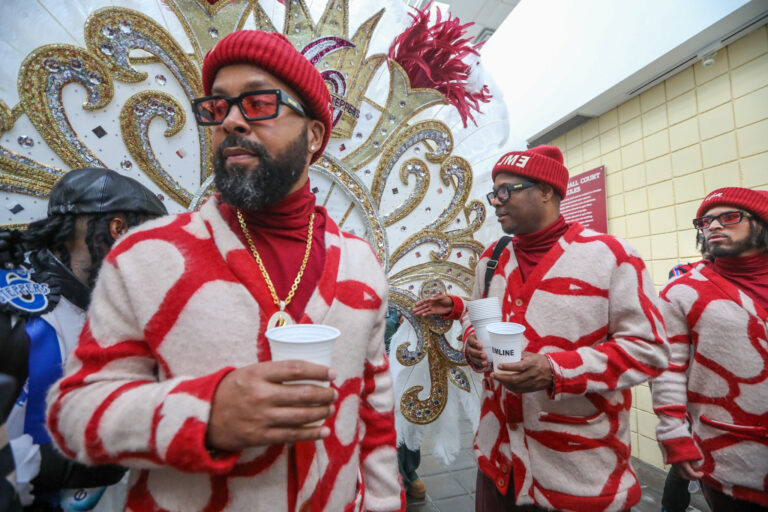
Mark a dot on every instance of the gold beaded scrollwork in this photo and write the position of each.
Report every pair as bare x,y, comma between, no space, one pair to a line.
113,32
412,167
434,141
402,104
43,75
197,20
457,173
26,176
443,361
451,272
341,177
351,61
22,174
8,116
402,142
135,117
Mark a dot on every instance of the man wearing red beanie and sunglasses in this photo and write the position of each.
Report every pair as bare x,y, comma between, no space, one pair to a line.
173,374
555,434
717,322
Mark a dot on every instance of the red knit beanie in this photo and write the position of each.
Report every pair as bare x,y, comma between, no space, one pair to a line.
754,201
542,163
273,53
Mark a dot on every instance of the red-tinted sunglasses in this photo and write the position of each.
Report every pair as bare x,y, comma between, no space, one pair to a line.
724,219
254,105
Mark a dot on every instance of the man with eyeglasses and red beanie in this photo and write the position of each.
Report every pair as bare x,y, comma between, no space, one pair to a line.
716,317
173,373
555,434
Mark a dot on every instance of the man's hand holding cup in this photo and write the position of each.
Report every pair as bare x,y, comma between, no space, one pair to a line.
253,406
281,401
532,373
476,353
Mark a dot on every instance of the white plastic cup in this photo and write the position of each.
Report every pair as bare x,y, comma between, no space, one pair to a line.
482,309
481,332
506,343
483,312
306,342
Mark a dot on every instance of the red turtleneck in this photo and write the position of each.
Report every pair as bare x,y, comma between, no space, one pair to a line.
530,248
280,235
748,273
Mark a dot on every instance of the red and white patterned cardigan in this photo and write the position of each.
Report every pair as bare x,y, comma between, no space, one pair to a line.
179,303
590,306
718,379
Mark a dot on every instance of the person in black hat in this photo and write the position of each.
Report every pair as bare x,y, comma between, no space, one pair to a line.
46,276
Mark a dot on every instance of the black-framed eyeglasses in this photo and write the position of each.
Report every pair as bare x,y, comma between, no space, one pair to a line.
504,191
724,219
254,105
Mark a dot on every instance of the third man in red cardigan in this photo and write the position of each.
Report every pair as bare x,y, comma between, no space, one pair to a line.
717,383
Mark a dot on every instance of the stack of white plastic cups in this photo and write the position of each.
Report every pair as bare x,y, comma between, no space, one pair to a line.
482,313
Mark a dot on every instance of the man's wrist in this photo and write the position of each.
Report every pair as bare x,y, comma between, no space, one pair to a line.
457,308
553,377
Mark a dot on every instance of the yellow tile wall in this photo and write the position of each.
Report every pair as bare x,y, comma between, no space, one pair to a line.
664,150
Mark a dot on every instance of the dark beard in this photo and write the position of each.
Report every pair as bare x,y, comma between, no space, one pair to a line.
735,250
264,184
738,248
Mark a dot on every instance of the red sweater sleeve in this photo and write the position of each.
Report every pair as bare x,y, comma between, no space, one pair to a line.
458,308
636,347
111,408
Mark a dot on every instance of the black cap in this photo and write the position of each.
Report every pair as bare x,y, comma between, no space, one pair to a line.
101,191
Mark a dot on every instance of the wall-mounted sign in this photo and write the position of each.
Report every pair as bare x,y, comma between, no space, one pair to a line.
585,200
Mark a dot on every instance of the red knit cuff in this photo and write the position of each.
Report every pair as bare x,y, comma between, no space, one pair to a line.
560,385
553,389
458,308
189,451
680,449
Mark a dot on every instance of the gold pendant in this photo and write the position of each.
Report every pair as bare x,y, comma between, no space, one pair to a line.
279,319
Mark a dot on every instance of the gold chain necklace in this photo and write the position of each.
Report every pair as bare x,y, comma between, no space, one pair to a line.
281,317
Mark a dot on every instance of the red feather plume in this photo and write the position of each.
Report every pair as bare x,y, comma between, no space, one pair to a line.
432,58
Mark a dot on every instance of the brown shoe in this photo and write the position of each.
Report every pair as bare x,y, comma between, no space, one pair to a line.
417,489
